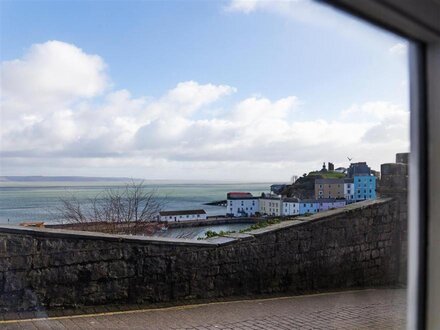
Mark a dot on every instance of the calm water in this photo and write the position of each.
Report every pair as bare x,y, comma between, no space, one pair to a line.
38,201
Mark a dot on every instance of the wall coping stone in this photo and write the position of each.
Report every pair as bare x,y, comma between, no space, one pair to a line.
79,234
241,236
322,216
221,240
212,242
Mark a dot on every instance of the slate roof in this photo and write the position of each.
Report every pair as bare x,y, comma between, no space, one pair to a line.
240,195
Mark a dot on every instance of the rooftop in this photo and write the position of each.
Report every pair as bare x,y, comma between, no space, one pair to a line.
240,195
291,200
182,212
330,200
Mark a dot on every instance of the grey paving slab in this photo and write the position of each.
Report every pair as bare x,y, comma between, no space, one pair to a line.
366,309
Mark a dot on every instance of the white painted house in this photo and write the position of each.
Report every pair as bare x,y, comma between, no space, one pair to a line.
349,190
242,204
270,205
184,215
290,206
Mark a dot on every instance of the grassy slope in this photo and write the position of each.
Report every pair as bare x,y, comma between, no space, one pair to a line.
328,175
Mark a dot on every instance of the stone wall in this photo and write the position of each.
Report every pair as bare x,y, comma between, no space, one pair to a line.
357,246
394,184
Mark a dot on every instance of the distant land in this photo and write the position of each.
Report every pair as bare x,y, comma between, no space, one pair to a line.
41,178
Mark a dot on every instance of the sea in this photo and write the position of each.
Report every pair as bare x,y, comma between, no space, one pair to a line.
40,201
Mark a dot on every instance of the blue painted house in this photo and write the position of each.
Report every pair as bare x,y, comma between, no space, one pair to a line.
364,187
308,206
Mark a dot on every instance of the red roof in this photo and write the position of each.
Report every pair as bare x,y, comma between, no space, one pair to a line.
238,194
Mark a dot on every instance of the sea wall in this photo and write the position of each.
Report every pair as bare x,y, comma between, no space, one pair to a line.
357,246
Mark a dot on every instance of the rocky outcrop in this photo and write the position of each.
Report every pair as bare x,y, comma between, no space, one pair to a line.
303,188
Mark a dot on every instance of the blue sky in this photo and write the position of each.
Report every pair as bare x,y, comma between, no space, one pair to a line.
336,68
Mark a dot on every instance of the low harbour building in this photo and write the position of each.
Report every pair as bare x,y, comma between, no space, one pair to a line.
183,215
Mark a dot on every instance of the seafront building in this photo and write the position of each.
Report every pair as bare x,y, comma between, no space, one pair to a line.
242,204
349,190
270,205
183,215
364,187
308,206
358,169
290,206
325,204
329,188
329,193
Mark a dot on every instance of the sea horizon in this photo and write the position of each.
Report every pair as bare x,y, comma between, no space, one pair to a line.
39,201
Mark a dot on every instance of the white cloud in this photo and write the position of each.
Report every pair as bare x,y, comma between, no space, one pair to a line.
305,11
373,111
388,123
175,135
243,6
53,72
400,49
189,96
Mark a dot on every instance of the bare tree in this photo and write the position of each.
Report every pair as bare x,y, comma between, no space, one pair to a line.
116,210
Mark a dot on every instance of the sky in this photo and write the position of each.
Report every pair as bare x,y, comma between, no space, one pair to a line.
196,90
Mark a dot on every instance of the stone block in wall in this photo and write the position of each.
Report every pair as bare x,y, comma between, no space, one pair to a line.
394,169
14,281
402,157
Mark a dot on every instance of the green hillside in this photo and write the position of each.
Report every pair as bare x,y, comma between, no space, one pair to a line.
327,175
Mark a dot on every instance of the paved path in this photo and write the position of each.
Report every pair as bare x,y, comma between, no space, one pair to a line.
368,309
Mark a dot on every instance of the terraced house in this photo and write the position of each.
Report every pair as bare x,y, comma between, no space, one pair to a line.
308,206
242,204
329,188
364,187
270,205
290,206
